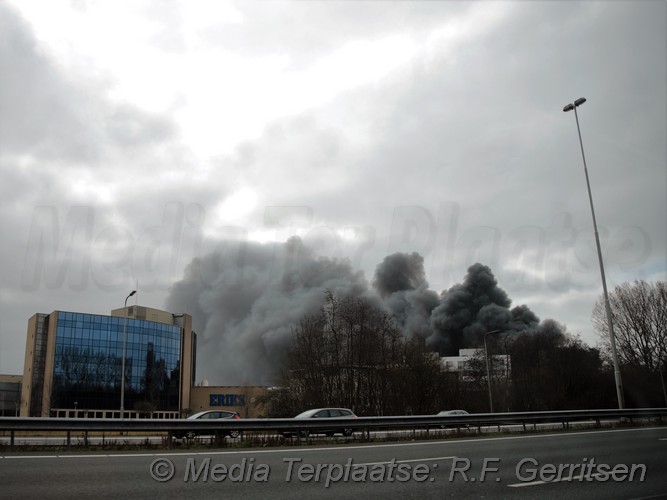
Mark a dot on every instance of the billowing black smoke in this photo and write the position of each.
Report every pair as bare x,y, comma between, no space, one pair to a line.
401,281
469,310
399,272
246,298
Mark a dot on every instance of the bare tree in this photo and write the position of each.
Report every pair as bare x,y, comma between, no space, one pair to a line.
352,354
639,315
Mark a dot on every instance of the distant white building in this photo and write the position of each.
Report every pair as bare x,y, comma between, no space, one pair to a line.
462,363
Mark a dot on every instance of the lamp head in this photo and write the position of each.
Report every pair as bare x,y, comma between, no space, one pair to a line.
576,104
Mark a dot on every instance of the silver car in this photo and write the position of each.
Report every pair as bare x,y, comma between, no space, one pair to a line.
453,413
324,414
211,415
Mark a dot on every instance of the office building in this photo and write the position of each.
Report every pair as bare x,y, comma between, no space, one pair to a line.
74,364
471,364
10,395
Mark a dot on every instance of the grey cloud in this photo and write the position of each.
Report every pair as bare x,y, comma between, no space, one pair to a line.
61,140
269,28
57,117
478,127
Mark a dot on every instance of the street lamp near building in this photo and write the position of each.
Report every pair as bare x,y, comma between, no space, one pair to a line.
612,338
488,371
122,369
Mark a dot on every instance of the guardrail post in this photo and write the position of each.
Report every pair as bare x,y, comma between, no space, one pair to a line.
219,439
11,441
69,440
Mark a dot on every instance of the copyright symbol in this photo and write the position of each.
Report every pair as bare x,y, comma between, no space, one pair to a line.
162,469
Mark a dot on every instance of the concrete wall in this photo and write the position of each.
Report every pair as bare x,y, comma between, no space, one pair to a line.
187,361
50,364
28,366
145,313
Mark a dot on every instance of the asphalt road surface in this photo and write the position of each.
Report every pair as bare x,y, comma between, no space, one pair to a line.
624,463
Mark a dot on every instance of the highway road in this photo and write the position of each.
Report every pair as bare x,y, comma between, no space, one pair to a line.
622,463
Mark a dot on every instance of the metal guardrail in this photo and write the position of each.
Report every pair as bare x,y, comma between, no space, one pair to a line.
366,424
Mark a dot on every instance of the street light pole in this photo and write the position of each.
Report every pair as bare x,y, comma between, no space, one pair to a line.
612,337
488,372
122,369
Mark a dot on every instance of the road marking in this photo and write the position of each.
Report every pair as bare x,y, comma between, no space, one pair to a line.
431,459
126,455
580,478
532,483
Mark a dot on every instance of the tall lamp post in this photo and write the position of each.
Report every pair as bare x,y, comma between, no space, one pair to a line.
488,372
612,338
122,368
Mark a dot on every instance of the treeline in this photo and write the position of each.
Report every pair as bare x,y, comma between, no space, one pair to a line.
352,354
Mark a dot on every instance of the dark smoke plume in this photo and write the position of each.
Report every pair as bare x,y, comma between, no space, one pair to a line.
246,298
401,281
471,309
399,272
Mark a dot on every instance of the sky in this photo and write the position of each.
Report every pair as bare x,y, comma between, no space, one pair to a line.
136,137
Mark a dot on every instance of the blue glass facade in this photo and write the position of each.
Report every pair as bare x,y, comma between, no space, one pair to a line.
88,361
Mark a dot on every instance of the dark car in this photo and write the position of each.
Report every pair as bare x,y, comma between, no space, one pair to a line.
453,413
210,415
324,414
